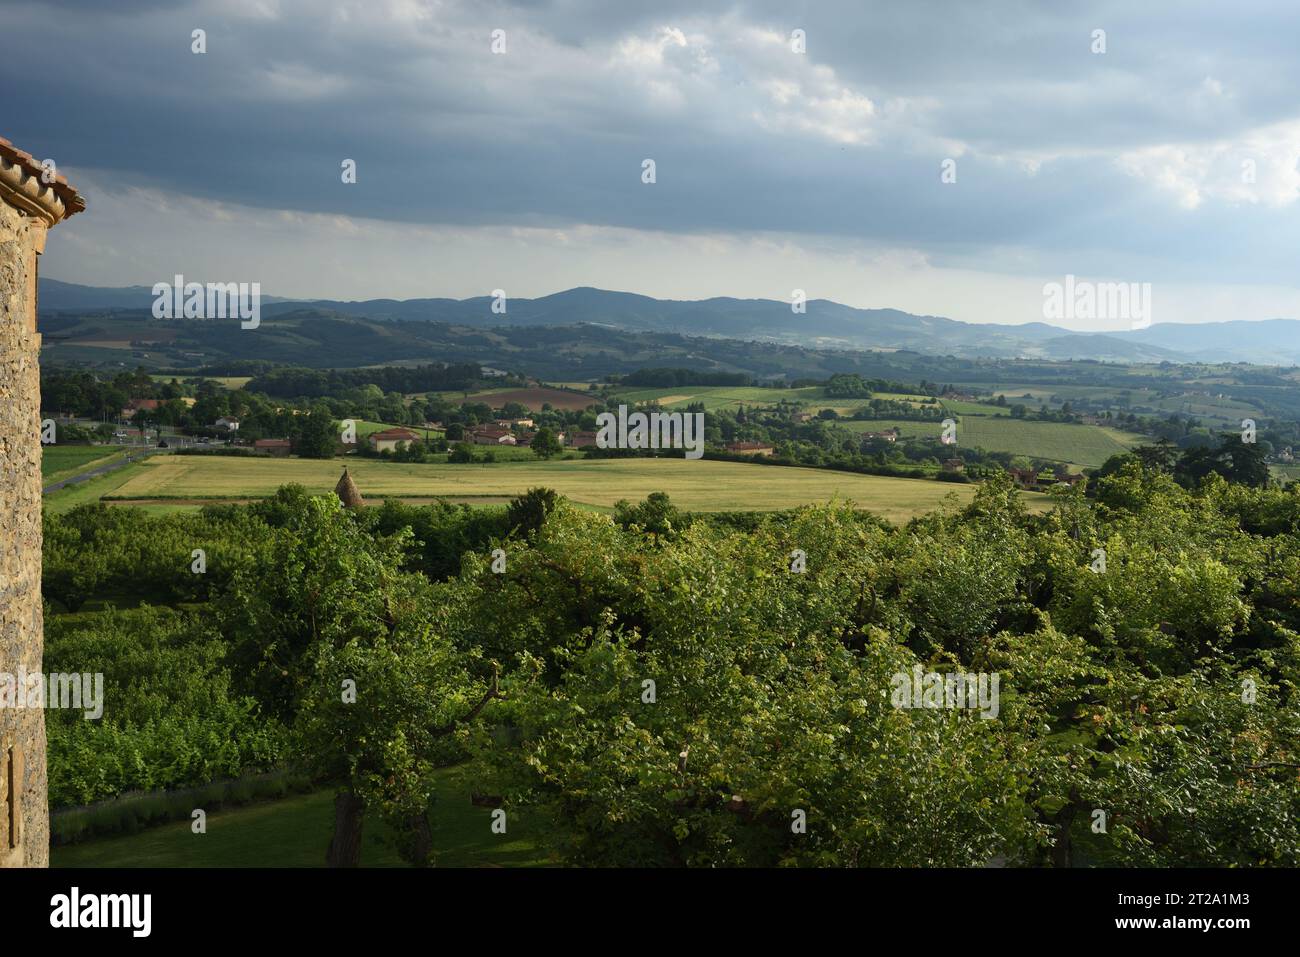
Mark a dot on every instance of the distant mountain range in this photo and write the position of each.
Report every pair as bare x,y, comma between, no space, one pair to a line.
825,324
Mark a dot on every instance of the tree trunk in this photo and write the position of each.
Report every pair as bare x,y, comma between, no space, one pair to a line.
1061,850
420,838
345,845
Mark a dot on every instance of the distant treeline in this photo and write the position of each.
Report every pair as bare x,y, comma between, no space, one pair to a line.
316,383
671,378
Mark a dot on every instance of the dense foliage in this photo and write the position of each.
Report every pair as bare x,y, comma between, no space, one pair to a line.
670,689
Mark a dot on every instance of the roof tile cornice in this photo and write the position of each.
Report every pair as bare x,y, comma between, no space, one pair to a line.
21,186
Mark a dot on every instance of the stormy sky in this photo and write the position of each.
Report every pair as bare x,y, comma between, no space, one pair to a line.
1169,159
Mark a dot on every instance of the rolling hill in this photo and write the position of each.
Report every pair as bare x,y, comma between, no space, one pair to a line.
825,325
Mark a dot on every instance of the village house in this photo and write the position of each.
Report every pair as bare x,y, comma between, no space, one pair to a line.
228,423
135,405
750,448
954,465
1067,478
280,448
888,435
579,440
492,437
388,439
1024,478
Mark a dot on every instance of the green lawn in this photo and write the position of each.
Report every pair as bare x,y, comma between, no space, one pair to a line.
90,490
64,461
295,831
1082,445
1088,445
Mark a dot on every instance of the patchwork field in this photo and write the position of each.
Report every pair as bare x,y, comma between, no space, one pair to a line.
717,397
697,485
810,398
532,399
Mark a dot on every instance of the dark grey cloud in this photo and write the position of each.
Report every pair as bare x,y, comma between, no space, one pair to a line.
1083,162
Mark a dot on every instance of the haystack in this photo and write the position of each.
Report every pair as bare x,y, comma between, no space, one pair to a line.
347,492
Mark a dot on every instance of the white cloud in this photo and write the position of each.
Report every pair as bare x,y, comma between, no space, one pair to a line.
1259,167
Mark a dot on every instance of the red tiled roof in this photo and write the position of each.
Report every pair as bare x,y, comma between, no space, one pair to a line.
271,444
72,201
402,434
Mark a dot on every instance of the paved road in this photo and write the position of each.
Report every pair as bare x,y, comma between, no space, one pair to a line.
135,456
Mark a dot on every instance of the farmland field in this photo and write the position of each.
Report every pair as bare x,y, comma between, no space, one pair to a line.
714,397
61,461
1089,445
532,399
228,381
1086,445
696,485
810,398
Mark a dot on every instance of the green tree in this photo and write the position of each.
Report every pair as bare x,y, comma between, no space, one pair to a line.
545,444
318,436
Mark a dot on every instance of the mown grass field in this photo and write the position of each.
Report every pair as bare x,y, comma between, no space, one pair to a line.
723,397
532,398
810,398
295,831
696,485
228,381
63,461
1082,445
1058,441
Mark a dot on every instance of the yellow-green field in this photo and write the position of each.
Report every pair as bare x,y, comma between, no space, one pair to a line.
696,485
1080,445
229,381
59,462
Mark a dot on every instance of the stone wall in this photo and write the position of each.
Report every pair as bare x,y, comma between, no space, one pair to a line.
24,835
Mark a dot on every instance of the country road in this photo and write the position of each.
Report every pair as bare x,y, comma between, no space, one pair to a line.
99,470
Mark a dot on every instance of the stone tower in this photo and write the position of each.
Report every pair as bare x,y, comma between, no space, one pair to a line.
32,200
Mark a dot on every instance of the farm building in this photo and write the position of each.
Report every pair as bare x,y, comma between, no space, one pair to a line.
750,448
580,440
277,447
492,437
135,405
1024,478
387,440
